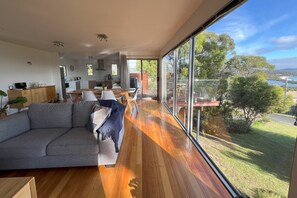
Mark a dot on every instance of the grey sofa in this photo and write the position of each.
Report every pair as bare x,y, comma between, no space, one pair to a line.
53,135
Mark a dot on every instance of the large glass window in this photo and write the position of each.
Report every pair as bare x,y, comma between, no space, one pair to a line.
168,64
149,78
135,75
90,71
114,69
145,73
234,118
182,82
243,109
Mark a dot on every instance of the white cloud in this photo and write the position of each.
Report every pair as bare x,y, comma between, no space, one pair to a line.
284,63
241,27
241,31
285,40
260,50
238,27
250,49
275,21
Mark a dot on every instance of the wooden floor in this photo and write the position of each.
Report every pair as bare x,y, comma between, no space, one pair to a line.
156,160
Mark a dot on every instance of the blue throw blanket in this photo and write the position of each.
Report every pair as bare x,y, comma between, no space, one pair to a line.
113,125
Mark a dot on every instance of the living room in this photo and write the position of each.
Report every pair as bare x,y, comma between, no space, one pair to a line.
27,54
78,46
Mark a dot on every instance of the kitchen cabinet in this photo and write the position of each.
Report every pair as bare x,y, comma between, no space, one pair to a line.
33,95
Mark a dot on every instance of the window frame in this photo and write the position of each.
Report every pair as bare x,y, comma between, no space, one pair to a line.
90,69
227,9
114,69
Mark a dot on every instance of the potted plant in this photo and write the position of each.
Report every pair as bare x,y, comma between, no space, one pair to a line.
3,108
18,100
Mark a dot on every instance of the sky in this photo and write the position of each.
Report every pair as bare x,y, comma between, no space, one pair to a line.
264,28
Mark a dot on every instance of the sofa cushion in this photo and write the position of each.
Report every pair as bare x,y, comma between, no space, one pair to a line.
14,125
99,116
50,115
30,144
82,112
76,141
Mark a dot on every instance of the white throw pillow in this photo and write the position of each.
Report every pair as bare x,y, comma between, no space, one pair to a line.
99,116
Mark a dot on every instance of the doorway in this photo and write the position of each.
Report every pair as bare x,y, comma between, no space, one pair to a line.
63,74
146,72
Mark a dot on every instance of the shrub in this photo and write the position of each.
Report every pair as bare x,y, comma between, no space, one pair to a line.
254,97
237,126
214,126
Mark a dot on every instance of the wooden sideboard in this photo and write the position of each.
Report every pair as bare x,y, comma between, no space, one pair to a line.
37,94
18,187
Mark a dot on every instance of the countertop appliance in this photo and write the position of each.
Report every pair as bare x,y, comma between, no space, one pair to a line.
20,85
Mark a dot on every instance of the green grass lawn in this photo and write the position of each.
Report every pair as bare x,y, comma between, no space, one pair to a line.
258,161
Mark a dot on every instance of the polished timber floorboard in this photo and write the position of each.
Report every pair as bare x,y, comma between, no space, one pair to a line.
156,160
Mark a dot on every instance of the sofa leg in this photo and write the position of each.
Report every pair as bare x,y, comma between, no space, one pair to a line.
110,166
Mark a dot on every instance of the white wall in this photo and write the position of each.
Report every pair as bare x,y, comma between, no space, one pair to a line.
14,67
80,69
67,62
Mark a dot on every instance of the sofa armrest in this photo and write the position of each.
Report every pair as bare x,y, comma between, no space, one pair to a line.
14,125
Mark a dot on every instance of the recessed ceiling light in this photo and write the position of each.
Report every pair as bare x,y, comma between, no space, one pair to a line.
58,43
87,45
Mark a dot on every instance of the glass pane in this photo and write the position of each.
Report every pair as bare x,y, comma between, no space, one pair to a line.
114,69
135,74
149,78
182,82
168,64
90,69
234,105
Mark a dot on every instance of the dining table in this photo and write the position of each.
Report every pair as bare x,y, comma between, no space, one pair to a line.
76,95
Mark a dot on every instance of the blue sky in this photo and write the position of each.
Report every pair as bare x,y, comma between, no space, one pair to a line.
265,28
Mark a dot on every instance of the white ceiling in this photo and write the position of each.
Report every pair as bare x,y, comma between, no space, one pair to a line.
137,27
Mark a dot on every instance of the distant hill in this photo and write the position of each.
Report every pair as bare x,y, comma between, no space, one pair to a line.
282,72
287,69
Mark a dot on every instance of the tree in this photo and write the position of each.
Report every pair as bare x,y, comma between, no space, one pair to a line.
248,65
211,52
285,104
149,67
254,97
210,59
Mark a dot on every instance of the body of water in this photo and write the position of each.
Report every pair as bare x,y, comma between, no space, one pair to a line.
292,78
281,83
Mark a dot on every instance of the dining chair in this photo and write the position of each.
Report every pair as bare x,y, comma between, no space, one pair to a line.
132,90
119,98
98,88
88,96
134,99
108,95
